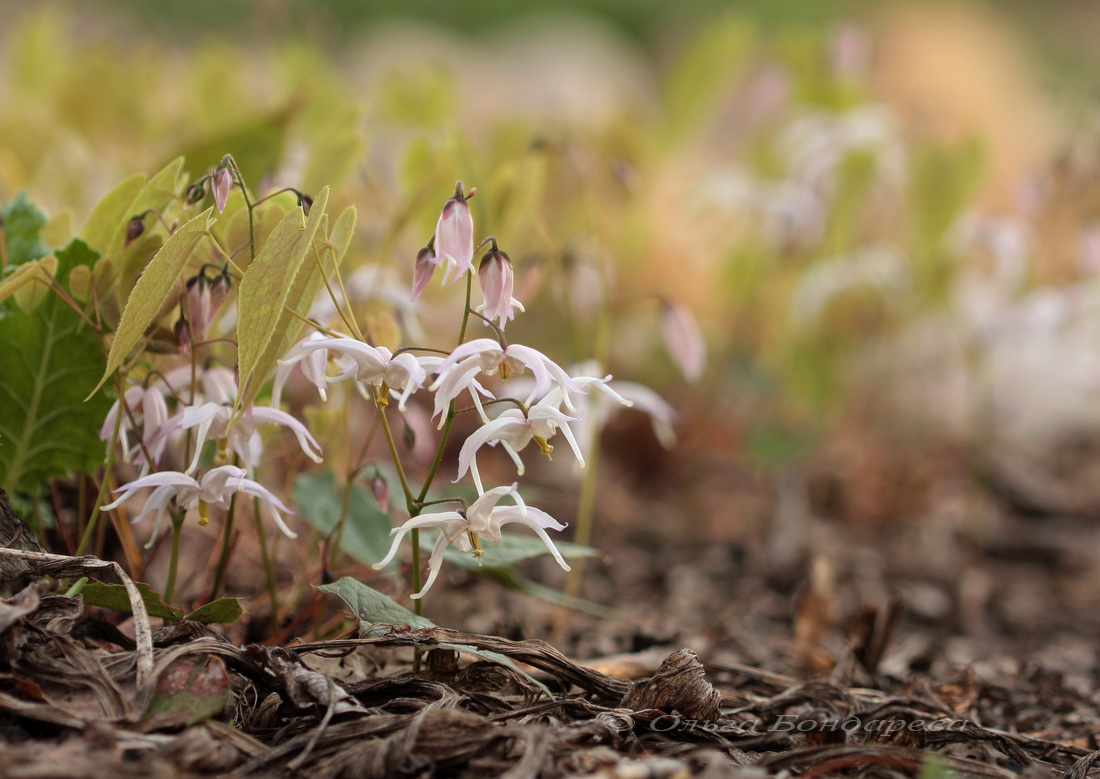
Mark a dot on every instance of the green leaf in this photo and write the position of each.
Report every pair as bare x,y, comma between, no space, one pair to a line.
49,356
372,607
274,280
111,210
36,272
324,252
22,221
366,533
153,289
157,195
224,611
113,596
511,549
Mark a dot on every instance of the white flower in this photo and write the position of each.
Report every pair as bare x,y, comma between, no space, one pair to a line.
147,407
215,422
376,366
216,489
485,355
514,431
310,362
484,518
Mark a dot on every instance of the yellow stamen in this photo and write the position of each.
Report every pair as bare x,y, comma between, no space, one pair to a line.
204,511
544,446
504,371
221,457
475,544
382,396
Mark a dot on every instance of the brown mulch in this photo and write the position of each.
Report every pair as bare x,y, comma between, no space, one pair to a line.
80,698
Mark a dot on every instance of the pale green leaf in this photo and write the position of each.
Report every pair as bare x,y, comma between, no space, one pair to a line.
157,194
278,278
37,271
372,607
152,290
111,210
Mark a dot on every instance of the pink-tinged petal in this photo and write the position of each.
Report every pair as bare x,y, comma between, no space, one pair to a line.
683,339
133,397
497,279
454,235
508,426
371,362
537,520
438,519
219,187
435,563
423,268
479,346
158,501
205,417
219,484
451,385
169,478
661,415
219,385
308,443
274,505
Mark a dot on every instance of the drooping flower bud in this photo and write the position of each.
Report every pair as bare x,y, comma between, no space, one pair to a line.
305,201
380,488
183,338
425,266
497,278
683,339
195,193
454,234
203,298
220,185
134,228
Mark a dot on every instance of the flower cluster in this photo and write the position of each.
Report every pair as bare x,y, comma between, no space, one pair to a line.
520,395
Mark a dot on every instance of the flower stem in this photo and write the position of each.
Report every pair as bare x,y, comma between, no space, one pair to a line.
269,570
223,557
174,558
247,202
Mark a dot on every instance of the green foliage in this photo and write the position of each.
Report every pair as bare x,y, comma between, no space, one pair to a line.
23,221
276,280
366,532
113,596
372,607
510,550
376,612
224,611
49,356
157,284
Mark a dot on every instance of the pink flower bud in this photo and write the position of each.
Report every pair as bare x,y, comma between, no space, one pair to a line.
425,266
380,488
497,277
454,234
683,339
220,185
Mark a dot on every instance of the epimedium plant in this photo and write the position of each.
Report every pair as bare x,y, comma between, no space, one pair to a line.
196,310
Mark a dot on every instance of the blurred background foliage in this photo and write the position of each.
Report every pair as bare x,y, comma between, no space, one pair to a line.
884,214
